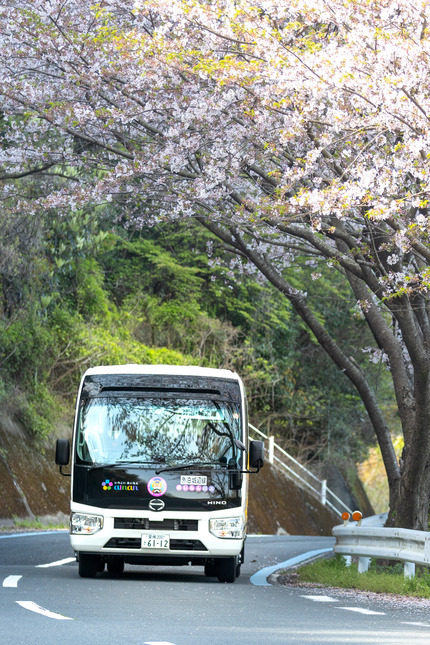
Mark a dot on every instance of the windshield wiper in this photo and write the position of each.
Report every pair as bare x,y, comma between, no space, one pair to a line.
194,466
126,462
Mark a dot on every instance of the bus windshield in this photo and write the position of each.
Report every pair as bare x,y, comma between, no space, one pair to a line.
154,430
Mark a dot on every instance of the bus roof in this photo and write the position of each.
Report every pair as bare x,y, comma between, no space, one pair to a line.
173,370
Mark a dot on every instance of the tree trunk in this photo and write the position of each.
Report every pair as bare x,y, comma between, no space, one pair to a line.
411,506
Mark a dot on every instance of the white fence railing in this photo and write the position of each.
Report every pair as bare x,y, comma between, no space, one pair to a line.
295,471
369,541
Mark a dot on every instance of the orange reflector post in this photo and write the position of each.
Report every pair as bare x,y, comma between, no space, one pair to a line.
356,516
345,516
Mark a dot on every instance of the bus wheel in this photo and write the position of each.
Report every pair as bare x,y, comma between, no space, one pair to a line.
88,565
227,569
115,565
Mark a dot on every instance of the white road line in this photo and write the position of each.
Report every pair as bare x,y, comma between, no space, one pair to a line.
361,610
58,563
416,624
260,578
321,598
31,606
11,581
157,643
25,535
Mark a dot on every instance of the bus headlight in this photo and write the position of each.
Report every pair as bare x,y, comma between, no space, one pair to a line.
227,527
84,523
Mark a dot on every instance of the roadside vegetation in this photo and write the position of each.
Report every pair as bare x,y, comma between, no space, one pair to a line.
386,579
34,524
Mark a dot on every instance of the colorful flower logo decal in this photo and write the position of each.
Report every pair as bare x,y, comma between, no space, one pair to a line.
157,486
107,485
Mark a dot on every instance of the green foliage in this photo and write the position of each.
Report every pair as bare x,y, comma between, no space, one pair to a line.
164,300
38,411
91,298
83,344
121,348
333,572
24,340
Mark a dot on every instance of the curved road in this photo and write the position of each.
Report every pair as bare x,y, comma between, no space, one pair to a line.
43,601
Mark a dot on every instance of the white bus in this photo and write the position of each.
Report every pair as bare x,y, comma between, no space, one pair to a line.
159,469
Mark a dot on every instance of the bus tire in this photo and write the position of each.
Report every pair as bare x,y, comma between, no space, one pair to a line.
88,565
227,569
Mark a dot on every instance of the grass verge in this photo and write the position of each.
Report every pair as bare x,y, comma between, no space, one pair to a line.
389,579
35,524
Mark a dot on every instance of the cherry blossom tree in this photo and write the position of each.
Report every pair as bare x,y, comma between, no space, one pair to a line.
295,131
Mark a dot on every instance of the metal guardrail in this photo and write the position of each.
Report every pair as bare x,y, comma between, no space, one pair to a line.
303,477
365,540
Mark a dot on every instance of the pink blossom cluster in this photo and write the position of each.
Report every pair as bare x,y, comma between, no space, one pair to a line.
302,124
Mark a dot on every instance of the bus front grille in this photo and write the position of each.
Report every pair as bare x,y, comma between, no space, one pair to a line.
123,543
187,545
143,523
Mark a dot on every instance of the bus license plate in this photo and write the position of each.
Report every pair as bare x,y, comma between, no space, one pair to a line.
153,541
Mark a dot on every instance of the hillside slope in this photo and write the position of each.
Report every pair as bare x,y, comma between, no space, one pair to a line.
30,484
277,506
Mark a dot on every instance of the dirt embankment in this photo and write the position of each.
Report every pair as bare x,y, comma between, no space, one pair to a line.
277,506
31,487
30,484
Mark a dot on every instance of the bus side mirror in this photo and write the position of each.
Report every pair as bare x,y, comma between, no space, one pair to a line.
256,454
62,454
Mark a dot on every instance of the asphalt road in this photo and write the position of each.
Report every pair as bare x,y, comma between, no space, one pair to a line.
179,606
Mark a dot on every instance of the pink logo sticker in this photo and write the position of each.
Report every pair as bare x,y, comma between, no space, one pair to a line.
157,486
